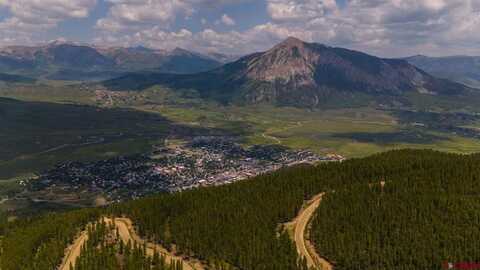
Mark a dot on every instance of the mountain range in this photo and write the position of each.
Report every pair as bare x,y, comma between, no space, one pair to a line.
300,74
463,69
291,73
69,61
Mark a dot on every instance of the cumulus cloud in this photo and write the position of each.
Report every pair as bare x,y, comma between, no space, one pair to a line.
136,14
125,15
382,27
284,10
408,26
29,17
46,13
227,20
385,27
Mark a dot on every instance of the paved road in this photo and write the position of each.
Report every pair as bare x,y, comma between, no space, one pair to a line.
304,247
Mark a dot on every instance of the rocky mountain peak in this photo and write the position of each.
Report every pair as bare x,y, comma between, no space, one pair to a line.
291,42
291,61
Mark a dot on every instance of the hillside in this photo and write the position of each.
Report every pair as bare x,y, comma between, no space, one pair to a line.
239,225
31,141
462,69
433,211
302,74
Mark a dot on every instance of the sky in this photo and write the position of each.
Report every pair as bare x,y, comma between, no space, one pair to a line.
387,28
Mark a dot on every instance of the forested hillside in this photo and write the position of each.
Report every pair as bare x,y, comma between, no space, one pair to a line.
419,220
105,251
39,243
237,226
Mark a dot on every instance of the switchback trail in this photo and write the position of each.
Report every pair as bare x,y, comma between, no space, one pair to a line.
127,233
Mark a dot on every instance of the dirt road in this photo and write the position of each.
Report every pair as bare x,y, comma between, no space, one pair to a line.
269,137
127,232
277,140
304,247
73,252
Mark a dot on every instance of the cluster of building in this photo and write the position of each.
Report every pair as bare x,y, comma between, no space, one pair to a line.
202,162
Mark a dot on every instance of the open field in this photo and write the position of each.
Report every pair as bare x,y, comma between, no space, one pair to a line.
350,132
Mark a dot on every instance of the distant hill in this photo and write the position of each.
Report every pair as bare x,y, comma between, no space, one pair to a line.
183,61
74,56
67,61
53,55
300,74
462,69
223,58
136,58
11,78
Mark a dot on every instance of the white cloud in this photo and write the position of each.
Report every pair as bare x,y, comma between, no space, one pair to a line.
382,27
29,18
385,27
135,14
299,10
227,20
125,15
47,12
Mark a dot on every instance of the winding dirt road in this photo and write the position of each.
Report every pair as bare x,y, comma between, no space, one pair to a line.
277,140
301,226
304,247
126,232
73,252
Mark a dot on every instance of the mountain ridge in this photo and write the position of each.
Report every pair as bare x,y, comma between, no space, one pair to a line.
298,73
460,68
61,60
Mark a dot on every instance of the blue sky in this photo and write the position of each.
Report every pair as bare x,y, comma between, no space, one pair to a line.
381,27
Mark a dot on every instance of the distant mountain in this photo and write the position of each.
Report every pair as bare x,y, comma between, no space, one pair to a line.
55,54
301,74
12,78
73,56
68,61
183,61
136,58
223,58
463,69
8,63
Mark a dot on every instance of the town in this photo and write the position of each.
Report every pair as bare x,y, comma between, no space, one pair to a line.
204,161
